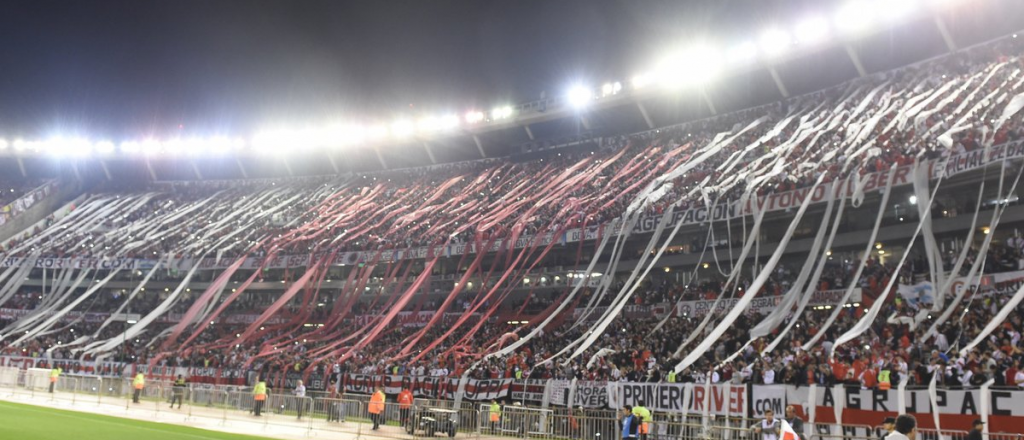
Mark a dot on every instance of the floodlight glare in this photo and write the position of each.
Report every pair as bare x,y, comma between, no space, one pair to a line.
3,144
705,64
896,10
220,145
151,146
811,30
271,141
449,122
474,117
579,96
428,124
743,53
130,147
775,42
641,81
854,17
501,112
401,128
349,134
104,147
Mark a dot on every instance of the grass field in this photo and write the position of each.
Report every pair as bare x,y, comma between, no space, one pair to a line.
38,423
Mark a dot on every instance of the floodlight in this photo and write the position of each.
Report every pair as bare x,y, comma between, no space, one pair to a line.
775,42
854,17
220,145
378,131
501,112
3,144
474,116
579,96
449,122
913,200
346,134
810,31
428,124
743,53
641,81
271,141
151,146
705,64
130,147
104,147
401,128
895,10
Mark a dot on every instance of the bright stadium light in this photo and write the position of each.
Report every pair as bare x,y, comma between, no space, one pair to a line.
895,11
501,112
642,80
222,145
402,128
473,117
775,42
151,147
23,145
271,141
811,30
706,64
61,146
743,53
428,125
3,144
854,17
104,147
347,134
579,96
130,147
449,122
611,88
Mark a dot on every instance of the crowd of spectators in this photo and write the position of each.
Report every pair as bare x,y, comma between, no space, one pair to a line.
825,132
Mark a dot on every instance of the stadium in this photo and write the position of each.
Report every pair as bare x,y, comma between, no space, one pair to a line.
797,231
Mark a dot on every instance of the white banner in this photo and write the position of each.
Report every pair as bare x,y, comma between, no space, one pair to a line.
428,387
725,399
762,305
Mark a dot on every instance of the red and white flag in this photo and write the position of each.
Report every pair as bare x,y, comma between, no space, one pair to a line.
786,431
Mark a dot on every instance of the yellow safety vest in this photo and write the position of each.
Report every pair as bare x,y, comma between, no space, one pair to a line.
139,381
643,413
671,377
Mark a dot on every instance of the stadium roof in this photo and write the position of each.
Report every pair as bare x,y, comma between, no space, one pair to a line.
791,50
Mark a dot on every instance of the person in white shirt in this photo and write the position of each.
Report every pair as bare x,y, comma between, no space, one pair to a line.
300,398
769,428
768,375
906,428
1019,378
941,342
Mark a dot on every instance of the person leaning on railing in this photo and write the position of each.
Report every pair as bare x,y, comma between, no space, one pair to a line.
769,427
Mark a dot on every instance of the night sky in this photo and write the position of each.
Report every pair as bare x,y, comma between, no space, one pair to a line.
135,68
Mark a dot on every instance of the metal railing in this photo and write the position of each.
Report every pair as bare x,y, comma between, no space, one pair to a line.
352,417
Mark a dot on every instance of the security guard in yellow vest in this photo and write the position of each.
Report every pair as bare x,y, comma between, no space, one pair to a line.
179,391
644,414
884,381
495,415
138,383
54,375
671,376
259,394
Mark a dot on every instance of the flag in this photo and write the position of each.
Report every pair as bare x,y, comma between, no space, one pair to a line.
786,432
